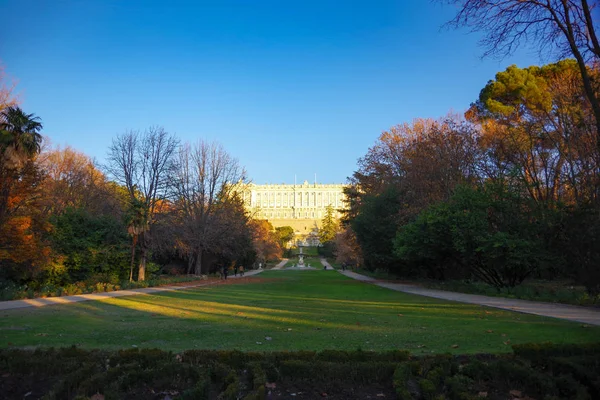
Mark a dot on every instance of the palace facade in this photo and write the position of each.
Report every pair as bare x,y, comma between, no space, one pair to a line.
300,206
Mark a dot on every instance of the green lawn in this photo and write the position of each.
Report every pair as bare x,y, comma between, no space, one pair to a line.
297,310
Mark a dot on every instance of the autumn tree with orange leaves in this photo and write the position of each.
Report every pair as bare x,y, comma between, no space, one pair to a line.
265,239
536,123
510,192
21,228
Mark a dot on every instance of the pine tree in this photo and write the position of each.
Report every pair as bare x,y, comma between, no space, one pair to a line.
329,226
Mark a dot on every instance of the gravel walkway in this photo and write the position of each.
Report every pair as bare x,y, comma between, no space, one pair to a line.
563,311
48,301
281,264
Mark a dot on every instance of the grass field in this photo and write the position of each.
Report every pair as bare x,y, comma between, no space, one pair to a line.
284,310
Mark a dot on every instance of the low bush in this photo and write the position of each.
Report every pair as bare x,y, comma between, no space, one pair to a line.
534,371
11,291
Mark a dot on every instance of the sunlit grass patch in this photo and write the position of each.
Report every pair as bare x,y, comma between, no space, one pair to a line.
285,310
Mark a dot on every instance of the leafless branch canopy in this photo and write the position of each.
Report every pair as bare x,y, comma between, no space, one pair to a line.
206,181
555,26
564,28
143,163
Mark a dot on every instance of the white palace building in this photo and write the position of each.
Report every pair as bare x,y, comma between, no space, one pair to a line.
300,206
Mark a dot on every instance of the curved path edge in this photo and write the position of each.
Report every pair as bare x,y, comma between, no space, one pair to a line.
48,301
562,311
281,264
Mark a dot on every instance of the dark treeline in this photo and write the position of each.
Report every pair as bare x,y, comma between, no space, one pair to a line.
510,191
157,206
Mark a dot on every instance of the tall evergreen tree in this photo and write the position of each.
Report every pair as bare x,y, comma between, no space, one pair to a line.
329,226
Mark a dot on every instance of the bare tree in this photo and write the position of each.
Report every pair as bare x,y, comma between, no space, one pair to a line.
143,163
561,27
7,91
207,178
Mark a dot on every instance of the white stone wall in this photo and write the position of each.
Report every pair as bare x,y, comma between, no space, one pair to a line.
290,202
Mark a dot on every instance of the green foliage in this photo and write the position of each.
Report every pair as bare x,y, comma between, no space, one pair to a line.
578,244
329,226
490,232
375,229
11,291
75,373
97,283
285,234
426,245
89,245
516,88
544,350
497,235
327,249
498,377
19,132
523,92
530,142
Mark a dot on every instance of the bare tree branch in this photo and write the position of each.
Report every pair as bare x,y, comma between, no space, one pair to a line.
563,28
142,163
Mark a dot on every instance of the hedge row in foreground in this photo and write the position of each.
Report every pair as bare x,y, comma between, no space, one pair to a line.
531,372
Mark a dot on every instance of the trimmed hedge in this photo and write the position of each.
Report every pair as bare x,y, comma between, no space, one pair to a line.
96,284
540,371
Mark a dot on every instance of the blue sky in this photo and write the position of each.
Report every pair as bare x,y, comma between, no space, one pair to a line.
288,87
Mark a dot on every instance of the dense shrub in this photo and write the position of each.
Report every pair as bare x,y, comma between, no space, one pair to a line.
375,229
491,233
534,371
578,244
88,245
95,284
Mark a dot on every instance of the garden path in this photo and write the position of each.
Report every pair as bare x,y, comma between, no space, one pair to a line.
563,311
40,302
281,264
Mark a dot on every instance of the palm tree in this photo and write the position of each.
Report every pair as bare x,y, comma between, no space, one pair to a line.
20,140
19,136
137,224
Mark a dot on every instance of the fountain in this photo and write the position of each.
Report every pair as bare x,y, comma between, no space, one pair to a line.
301,262
300,257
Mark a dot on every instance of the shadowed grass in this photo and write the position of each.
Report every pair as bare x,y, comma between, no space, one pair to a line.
297,310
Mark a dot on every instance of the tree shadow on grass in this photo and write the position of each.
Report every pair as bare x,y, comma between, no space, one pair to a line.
304,314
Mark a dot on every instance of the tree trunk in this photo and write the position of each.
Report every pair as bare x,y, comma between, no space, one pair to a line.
190,263
587,81
142,267
199,263
133,243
